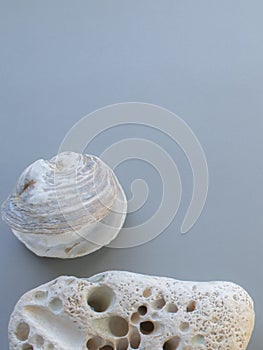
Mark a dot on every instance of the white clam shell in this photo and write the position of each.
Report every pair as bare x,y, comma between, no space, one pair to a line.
118,310
66,207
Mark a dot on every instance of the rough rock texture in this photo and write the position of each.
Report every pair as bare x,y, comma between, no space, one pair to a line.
68,206
122,310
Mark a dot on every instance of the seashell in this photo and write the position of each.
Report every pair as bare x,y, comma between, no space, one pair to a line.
119,310
66,207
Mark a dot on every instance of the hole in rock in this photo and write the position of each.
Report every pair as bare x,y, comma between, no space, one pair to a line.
22,331
198,339
55,326
147,292
94,343
37,340
173,308
118,326
56,305
142,310
107,347
100,298
135,317
122,344
146,327
158,303
191,306
172,343
135,338
41,295
27,347
184,326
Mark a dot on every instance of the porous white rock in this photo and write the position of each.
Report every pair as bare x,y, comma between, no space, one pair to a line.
68,206
121,310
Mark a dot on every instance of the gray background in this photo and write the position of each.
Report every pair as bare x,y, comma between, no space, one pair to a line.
201,59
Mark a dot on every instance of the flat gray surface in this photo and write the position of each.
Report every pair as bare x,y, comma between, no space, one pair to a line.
202,60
